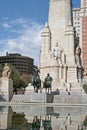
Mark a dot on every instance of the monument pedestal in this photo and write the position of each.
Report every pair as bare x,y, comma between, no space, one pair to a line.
5,117
6,89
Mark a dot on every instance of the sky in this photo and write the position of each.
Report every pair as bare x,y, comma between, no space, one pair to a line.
21,23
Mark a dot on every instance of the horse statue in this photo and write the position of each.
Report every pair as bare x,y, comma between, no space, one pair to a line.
47,84
36,81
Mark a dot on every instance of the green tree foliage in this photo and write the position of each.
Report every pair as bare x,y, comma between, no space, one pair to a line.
85,121
25,79
1,69
15,75
85,87
19,81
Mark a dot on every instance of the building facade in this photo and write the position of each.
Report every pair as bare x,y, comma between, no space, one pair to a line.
23,64
83,36
80,24
76,20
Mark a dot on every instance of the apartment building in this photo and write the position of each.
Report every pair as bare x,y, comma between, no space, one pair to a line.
23,64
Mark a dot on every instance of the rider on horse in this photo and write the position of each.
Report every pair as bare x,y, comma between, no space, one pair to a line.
48,81
36,82
35,79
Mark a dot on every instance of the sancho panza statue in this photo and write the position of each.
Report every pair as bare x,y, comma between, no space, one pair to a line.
47,84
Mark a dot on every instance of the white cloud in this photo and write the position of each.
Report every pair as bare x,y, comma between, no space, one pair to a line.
6,25
27,43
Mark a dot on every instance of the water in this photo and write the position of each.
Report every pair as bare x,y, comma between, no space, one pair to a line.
36,117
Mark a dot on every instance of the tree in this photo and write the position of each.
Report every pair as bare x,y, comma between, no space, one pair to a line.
15,75
1,69
85,87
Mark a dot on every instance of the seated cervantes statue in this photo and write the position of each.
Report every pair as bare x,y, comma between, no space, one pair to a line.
56,53
6,73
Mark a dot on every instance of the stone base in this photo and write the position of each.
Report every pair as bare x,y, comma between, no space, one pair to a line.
5,117
33,97
6,89
65,99
60,89
39,97
70,99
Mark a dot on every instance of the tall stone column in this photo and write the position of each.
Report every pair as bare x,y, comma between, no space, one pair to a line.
69,34
70,45
46,40
46,45
45,51
68,13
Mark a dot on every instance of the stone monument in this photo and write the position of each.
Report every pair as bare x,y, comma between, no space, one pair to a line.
6,84
58,50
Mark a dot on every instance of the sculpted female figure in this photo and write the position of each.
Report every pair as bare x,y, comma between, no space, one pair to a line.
6,71
78,54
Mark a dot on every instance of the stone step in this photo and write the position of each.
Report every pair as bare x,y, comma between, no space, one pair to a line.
67,99
72,127
18,98
63,98
33,97
64,93
75,93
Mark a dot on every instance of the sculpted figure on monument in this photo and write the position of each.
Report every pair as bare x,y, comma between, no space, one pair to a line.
78,54
48,82
6,73
36,82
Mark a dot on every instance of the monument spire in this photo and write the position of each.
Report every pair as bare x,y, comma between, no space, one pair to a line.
68,12
60,17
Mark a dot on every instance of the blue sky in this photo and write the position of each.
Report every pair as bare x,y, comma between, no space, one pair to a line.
21,22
